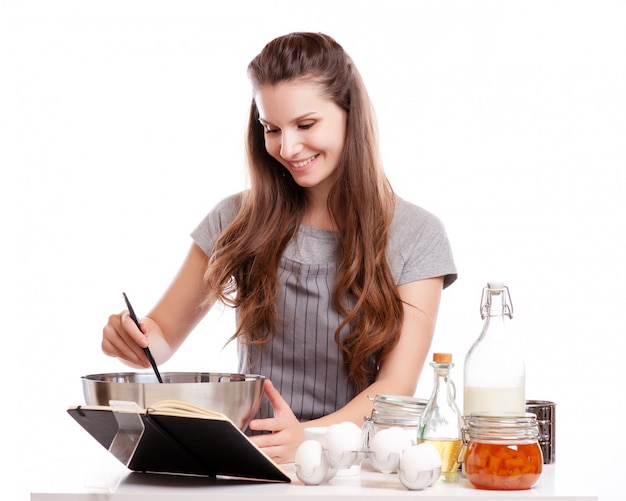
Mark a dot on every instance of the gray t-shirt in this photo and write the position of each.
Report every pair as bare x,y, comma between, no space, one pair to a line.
302,360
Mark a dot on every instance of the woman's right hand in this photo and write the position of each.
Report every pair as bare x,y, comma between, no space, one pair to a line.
168,324
122,339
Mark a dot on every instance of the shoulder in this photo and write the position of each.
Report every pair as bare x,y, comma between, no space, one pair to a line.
409,217
216,221
418,245
227,208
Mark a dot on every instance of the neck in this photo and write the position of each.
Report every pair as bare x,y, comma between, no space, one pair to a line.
317,214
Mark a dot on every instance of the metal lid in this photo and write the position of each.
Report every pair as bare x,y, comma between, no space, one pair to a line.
514,428
397,409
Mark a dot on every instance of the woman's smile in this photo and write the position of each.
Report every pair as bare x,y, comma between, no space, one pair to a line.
299,165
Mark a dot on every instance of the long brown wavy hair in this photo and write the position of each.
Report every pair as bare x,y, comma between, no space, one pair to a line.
243,267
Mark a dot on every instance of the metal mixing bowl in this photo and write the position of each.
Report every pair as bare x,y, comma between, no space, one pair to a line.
238,396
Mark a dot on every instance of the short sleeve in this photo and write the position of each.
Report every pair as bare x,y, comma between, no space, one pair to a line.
215,222
419,247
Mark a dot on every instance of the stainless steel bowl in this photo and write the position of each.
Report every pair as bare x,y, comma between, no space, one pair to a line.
238,396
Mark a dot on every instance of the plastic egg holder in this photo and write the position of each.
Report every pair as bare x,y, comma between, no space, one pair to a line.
386,448
390,451
339,448
312,466
420,466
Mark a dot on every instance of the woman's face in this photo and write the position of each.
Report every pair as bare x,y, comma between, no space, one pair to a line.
304,130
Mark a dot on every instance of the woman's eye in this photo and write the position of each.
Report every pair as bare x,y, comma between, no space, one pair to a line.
273,130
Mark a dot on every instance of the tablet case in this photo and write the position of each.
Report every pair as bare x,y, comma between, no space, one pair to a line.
184,445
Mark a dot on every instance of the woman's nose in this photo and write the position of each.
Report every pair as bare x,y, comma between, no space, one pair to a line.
290,145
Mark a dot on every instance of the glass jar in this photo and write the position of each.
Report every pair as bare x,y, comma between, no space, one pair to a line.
394,410
503,453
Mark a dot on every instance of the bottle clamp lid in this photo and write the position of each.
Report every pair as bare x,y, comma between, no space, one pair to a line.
494,290
495,285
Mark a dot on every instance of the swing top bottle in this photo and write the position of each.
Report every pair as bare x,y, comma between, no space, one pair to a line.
494,372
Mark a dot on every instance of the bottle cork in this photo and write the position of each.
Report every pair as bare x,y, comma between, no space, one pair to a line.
442,358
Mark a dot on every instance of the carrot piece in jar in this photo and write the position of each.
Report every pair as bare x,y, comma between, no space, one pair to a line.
502,467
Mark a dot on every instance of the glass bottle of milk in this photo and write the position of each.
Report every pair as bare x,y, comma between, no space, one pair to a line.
494,372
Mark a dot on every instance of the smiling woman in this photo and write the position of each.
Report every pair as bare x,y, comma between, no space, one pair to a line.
122,126
335,280
305,132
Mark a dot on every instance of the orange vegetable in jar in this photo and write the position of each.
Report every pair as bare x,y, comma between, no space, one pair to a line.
503,453
503,467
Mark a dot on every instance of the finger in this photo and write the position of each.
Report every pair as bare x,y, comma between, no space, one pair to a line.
278,454
281,409
268,424
122,347
125,353
133,331
278,446
276,400
117,343
264,440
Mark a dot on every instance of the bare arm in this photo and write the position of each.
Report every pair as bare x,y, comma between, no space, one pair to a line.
168,324
398,375
400,372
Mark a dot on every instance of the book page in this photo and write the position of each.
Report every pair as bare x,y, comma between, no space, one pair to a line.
183,409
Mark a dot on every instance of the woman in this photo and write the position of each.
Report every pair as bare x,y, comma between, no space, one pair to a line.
335,280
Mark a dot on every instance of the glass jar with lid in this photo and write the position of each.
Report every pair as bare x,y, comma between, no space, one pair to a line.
394,410
503,452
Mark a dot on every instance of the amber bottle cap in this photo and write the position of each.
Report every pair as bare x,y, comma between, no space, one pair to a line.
442,358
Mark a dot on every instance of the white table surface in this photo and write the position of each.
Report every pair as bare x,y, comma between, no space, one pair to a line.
93,475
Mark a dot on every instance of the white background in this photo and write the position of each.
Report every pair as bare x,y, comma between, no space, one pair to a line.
121,125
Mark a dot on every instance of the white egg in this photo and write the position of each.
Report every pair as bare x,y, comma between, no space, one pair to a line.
386,447
315,433
311,464
420,466
342,443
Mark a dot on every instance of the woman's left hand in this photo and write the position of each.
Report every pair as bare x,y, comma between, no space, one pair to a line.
287,433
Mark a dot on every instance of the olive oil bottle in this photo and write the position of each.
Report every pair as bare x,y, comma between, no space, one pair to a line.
441,423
